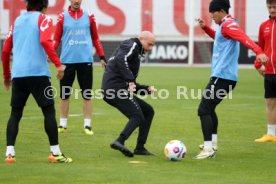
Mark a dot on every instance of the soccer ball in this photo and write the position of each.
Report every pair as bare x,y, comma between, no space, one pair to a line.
175,150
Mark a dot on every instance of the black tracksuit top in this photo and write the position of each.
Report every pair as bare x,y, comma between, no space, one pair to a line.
123,66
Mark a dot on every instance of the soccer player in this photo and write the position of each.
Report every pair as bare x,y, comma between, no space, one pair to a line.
267,41
78,32
30,39
119,84
224,66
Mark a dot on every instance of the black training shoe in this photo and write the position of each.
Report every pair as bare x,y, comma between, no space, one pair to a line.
119,146
143,151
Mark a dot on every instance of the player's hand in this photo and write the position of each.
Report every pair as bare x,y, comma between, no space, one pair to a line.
152,89
131,87
261,70
201,22
103,63
60,72
262,58
7,83
48,59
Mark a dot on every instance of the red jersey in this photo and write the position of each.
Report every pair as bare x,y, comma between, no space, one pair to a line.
267,41
231,30
93,29
45,25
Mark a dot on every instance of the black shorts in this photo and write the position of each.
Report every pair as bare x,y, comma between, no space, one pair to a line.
270,86
40,87
214,93
84,73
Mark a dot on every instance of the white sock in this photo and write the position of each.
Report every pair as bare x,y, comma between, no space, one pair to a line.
207,144
87,122
215,138
63,122
271,129
10,151
55,150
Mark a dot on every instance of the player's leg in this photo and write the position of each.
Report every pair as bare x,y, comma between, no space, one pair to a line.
20,94
270,96
225,86
205,109
46,103
144,127
85,79
214,93
215,130
131,109
65,92
271,115
50,125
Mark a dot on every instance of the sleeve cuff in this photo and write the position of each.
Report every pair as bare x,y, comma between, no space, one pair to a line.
257,65
58,65
102,58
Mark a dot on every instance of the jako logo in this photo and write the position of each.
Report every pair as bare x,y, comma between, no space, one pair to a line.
174,52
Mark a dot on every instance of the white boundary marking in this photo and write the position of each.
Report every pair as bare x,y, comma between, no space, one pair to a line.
177,65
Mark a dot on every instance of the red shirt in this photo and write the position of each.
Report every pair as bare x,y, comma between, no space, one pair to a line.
231,31
267,41
45,40
93,29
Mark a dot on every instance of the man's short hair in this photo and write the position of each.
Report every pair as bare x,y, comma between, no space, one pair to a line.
217,5
37,5
270,1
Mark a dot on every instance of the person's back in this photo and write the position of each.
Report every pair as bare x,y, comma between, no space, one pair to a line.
28,59
30,39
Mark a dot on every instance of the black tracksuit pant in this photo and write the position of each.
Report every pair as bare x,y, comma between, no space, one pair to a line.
139,114
214,93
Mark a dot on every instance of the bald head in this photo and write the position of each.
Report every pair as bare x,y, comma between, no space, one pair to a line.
147,40
146,34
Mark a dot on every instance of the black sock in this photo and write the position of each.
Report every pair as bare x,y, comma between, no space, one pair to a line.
50,124
207,127
12,126
215,123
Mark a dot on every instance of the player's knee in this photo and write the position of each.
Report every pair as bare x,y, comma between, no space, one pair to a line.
16,113
64,96
203,110
139,118
49,112
271,103
65,92
86,97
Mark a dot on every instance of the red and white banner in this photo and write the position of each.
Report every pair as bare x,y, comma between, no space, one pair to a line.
168,18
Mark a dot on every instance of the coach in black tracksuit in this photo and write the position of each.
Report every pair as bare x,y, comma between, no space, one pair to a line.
119,85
